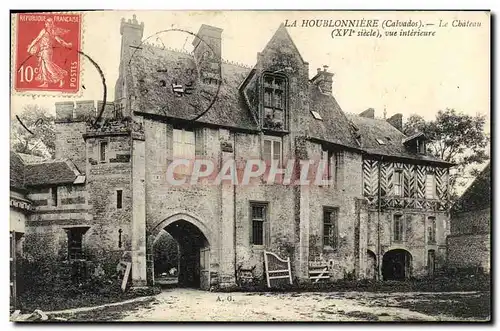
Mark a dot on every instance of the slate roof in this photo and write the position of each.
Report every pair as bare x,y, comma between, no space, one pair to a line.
152,70
334,126
28,158
16,171
49,173
146,71
372,129
478,194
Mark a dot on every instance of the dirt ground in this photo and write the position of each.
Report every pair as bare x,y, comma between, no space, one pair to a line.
195,305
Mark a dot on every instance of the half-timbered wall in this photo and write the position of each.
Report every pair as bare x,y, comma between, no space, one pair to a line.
413,185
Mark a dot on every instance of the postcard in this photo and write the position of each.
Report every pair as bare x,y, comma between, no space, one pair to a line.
279,166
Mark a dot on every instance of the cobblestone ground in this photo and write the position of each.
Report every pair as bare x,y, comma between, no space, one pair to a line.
195,305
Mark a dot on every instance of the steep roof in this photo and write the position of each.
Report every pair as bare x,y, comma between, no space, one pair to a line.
334,126
373,130
16,171
50,173
478,194
28,158
153,70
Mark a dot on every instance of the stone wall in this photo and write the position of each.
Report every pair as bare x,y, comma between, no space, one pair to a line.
469,251
472,222
415,237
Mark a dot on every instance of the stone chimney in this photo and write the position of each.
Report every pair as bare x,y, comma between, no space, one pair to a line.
324,80
369,113
208,48
396,121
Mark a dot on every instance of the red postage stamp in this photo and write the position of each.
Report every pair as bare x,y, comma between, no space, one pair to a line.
48,52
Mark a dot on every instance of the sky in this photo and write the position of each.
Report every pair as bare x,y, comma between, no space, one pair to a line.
408,75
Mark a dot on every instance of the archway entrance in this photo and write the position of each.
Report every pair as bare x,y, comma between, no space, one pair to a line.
193,255
396,265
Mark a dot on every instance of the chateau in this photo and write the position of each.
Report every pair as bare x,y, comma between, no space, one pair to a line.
382,211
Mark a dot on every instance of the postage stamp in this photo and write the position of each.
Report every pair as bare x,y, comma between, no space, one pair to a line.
47,52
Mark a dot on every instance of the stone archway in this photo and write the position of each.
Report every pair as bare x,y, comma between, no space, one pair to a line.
396,265
193,240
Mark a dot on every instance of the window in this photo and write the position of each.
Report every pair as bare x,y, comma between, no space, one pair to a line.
184,147
119,199
398,183
332,166
259,216
330,227
421,146
272,151
75,241
316,115
54,195
398,232
430,186
274,102
184,144
103,146
431,229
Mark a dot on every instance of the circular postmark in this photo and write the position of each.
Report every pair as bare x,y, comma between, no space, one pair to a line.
173,82
80,54
49,57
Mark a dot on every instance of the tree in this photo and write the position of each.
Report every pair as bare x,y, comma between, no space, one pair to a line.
32,132
454,137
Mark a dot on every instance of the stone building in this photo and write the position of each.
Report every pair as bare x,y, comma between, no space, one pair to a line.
380,211
469,242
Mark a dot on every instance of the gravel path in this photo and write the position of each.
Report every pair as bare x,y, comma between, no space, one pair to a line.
195,305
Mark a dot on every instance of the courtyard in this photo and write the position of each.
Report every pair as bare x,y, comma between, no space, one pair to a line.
177,304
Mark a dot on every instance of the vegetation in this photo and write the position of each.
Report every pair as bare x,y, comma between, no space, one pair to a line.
457,138
33,132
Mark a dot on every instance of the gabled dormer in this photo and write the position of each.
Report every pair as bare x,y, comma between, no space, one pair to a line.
416,143
267,90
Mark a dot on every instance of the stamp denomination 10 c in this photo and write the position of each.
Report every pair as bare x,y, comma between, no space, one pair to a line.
47,52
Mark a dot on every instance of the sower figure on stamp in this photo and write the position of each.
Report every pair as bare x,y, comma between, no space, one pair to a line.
42,47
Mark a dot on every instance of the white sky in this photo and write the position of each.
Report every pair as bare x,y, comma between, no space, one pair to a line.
403,74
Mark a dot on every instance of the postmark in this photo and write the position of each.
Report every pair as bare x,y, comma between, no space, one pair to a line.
193,83
47,53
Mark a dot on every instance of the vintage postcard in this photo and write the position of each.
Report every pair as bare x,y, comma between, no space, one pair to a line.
250,166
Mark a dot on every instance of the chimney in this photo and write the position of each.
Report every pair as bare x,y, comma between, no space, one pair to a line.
207,47
369,113
396,121
323,79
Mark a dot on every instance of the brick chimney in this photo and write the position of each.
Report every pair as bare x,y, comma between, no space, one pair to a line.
324,80
369,113
396,121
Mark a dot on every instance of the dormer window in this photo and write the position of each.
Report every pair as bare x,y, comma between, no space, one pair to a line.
415,143
274,115
421,146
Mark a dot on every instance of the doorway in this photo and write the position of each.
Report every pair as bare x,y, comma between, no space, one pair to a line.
396,265
191,263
